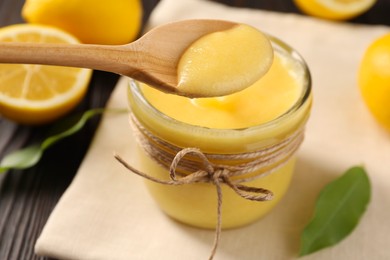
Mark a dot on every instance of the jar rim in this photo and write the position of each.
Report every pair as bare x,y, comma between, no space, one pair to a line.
299,103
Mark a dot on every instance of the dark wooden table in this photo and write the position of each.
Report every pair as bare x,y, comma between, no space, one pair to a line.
27,197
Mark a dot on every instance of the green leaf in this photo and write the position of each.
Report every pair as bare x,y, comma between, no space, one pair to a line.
29,156
77,126
338,210
21,159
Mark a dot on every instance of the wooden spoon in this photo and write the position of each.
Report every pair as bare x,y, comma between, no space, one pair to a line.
152,59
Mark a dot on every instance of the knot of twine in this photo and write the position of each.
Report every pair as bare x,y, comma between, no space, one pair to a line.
191,165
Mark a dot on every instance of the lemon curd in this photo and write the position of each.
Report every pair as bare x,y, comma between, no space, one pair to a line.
219,63
263,101
270,110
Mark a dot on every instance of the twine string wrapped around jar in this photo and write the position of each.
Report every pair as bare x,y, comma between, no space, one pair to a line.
191,165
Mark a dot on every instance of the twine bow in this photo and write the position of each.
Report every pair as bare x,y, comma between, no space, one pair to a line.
211,174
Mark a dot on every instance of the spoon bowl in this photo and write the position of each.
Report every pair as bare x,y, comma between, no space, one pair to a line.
151,59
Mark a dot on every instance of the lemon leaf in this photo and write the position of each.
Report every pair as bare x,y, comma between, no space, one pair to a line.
29,156
22,158
338,210
78,125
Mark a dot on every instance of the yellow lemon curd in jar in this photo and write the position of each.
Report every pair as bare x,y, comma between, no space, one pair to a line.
266,112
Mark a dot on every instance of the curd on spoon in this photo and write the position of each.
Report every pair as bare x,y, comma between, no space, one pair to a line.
224,62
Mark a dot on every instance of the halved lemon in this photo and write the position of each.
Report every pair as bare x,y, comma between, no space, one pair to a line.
334,9
37,94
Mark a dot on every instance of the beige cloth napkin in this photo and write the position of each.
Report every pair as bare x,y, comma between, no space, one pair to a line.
106,213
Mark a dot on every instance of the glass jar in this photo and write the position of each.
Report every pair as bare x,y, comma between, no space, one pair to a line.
196,203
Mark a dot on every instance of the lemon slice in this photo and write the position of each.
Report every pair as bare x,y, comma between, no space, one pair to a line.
334,9
36,94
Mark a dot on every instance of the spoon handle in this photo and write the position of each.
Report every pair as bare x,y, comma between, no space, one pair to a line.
99,57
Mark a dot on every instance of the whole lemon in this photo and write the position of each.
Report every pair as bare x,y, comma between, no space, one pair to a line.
374,79
334,9
91,21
